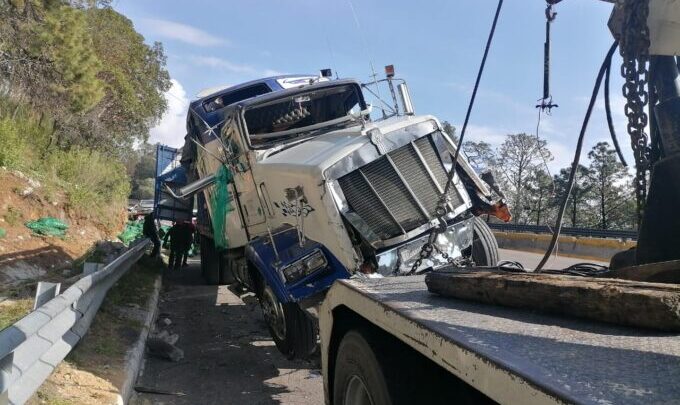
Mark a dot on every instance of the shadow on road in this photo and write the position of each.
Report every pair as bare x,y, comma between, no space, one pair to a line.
229,357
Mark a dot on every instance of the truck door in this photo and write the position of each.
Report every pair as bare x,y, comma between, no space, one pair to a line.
244,185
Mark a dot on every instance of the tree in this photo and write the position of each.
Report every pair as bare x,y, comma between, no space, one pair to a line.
135,77
65,40
83,66
609,181
450,130
577,204
540,192
143,172
518,158
480,155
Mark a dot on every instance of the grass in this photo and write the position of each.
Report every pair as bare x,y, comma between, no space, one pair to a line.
12,311
13,216
48,399
136,286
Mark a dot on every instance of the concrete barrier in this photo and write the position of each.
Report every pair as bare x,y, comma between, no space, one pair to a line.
583,247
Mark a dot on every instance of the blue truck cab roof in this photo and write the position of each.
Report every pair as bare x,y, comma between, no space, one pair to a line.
210,107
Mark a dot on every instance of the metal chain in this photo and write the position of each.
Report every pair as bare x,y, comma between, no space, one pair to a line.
634,50
429,246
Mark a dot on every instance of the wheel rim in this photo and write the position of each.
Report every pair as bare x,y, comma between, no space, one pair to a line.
273,313
356,392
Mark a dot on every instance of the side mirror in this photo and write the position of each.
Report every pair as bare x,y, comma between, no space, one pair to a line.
363,114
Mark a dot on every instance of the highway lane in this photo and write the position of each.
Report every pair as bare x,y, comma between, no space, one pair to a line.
530,260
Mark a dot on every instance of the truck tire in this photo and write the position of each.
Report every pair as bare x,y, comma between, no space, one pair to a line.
293,331
484,244
210,261
358,377
228,263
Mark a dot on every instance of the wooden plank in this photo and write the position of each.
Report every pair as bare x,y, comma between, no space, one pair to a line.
623,302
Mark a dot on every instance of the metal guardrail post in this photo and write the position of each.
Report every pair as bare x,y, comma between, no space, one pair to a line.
45,292
5,376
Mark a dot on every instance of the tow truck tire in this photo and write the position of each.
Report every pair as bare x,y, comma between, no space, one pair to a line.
210,261
293,331
484,244
359,379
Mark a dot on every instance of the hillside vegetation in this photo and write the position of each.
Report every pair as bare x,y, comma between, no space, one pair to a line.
79,89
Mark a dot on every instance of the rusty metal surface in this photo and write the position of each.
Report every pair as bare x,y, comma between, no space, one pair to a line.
576,360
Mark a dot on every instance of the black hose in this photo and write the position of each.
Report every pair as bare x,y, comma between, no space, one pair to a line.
472,100
608,110
577,156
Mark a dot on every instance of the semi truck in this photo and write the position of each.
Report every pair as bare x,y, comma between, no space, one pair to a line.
298,182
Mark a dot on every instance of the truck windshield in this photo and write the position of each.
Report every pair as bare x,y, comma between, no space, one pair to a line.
302,114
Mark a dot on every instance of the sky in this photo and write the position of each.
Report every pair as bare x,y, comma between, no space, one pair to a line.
436,46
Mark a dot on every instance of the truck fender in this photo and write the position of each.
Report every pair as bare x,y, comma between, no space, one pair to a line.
263,260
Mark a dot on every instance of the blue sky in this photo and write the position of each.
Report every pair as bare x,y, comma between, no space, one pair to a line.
435,45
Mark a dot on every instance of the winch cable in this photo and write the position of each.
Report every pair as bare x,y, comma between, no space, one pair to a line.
608,111
440,210
540,151
452,173
577,157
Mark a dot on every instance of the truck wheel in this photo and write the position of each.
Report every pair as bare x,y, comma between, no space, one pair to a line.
359,379
210,261
294,333
227,263
484,244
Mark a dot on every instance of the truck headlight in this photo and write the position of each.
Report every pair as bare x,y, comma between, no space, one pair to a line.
305,266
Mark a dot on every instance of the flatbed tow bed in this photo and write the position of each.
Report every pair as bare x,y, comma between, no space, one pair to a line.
512,356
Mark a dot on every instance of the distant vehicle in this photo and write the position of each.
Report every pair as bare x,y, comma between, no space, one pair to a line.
141,207
319,192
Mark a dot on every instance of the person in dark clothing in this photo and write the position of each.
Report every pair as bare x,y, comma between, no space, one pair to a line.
149,230
190,230
180,241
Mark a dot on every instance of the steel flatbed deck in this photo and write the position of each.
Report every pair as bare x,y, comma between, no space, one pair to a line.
515,356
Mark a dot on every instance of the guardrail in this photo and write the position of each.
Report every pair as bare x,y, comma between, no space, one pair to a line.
587,232
33,347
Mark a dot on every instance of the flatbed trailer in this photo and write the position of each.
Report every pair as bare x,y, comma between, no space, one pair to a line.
510,355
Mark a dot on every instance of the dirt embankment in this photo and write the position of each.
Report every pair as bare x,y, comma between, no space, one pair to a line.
25,257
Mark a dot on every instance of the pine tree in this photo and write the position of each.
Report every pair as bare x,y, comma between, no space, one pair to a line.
517,159
65,40
609,182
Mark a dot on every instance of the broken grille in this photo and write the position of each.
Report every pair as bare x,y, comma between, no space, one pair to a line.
398,192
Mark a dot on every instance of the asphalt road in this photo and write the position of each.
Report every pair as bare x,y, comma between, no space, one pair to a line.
229,357
530,260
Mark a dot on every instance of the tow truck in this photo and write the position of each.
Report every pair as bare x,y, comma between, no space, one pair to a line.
405,340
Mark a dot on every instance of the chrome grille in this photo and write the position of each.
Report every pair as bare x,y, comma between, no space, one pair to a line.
399,191
430,155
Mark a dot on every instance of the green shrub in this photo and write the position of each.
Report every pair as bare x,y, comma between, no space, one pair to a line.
12,216
95,184
14,147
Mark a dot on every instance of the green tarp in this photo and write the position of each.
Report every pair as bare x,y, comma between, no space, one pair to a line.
133,231
47,226
220,204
